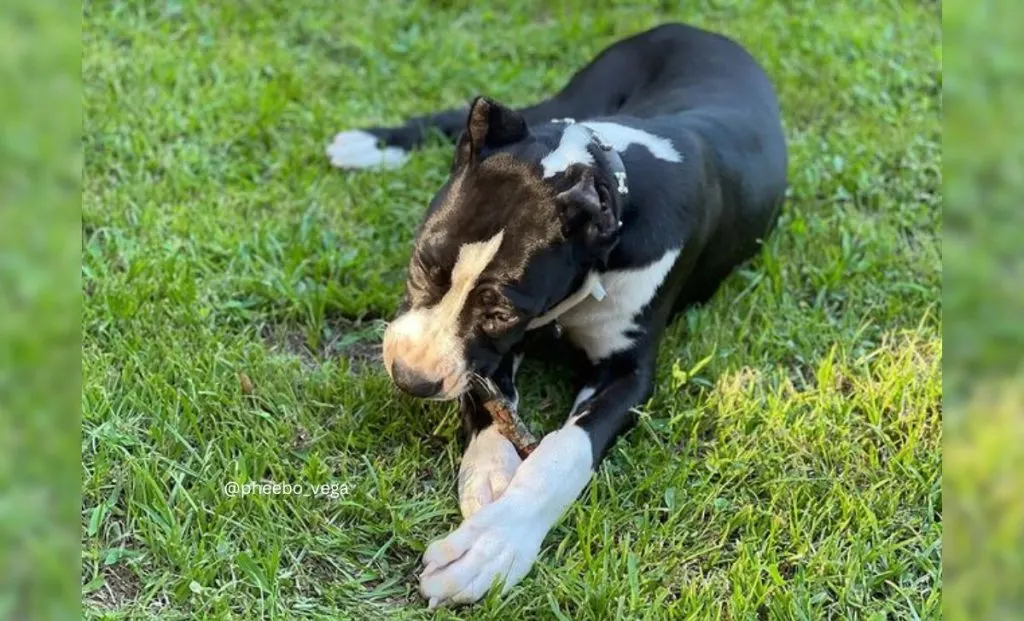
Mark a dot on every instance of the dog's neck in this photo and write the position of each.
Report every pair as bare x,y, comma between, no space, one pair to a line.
611,171
591,287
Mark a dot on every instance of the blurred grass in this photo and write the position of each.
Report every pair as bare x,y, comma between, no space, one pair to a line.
40,387
984,219
788,466
984,301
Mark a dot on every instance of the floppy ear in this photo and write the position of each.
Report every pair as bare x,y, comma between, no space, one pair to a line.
489,125
586,211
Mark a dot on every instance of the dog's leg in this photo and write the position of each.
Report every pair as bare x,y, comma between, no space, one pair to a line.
600,88
502,540
490,459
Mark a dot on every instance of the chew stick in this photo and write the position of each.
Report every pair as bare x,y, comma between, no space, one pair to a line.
504,415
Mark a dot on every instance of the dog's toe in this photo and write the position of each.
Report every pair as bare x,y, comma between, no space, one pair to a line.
492,547
487,469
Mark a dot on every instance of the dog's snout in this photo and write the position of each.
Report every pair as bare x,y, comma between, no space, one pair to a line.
413,383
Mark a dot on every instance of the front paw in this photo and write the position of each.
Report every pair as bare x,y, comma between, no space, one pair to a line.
487,468
495,545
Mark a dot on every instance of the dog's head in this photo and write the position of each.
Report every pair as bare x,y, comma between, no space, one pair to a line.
503,241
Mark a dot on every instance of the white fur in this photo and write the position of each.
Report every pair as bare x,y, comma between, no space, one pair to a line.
501,541
620,137
599,326
572,148
426,340
487,468
516,361
585,393
358,149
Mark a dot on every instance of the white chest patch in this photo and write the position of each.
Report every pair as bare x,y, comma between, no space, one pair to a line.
599,327
572,148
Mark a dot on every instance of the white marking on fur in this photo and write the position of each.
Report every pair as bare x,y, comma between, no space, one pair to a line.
599,327
501,540
572,149
622,136
425,339
487,468
622,188
516,361
585,393
473,259
359,149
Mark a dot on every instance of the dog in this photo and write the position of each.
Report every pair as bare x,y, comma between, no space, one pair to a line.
592,218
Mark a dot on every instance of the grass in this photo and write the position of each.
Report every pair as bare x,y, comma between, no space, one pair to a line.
983,370
787,467
40,309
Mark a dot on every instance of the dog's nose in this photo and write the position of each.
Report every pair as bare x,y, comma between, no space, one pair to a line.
412,383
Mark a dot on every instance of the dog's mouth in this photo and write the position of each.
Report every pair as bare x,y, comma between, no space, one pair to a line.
416,370
459,386
426,385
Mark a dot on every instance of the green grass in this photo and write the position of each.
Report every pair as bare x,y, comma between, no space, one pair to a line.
40,309
983,370
787,467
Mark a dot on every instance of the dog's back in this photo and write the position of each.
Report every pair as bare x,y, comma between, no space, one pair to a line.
713,99
704,93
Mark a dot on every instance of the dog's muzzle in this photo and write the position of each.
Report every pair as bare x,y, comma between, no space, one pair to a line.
423,361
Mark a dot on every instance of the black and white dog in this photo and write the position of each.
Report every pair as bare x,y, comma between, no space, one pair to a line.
594,216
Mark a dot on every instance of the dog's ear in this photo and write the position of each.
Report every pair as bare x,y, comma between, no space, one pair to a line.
489,125
586,212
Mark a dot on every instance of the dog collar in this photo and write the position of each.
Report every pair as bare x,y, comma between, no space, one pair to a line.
591,287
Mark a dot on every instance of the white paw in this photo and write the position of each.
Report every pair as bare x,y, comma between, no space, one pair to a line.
359,149
497,544
487,468
500,541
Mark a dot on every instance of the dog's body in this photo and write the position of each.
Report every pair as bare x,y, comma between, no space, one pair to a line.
605,210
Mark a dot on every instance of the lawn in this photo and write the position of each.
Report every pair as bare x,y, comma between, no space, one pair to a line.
236,286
